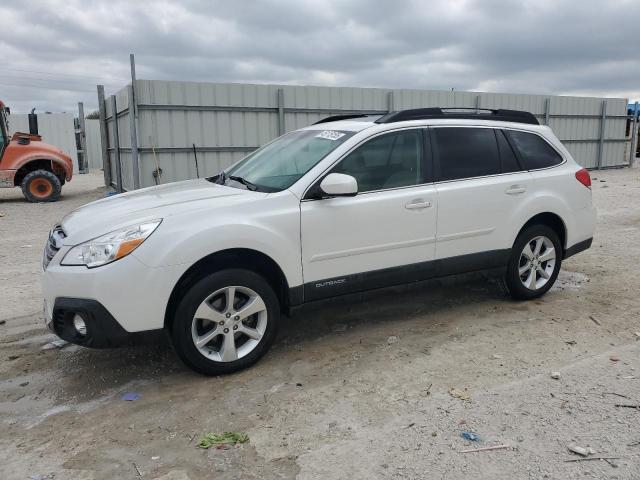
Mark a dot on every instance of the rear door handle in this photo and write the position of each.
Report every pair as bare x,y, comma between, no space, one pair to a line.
417,204
515,190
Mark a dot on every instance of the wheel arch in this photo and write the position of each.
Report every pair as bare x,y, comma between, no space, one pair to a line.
553,221
244,258
41,163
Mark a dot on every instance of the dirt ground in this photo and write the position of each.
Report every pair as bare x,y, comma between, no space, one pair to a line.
353,388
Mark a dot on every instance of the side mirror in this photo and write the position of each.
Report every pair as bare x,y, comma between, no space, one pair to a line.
339,185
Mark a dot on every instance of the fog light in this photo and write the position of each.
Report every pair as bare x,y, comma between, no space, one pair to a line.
79,325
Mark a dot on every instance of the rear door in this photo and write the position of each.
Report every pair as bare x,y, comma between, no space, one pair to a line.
480,186
382,236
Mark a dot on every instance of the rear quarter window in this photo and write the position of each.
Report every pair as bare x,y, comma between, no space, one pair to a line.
534,151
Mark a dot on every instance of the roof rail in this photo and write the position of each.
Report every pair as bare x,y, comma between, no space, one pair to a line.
500,114
335,118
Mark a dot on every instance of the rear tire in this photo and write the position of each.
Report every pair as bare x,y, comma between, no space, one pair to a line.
41,186
225,322
535,261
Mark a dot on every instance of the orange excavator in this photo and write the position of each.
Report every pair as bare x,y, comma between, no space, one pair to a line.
26,161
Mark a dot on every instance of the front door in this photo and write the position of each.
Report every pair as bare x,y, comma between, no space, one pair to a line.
385,234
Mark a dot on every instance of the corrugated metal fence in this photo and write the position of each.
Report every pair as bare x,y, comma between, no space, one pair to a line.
221,123
56,129
94,149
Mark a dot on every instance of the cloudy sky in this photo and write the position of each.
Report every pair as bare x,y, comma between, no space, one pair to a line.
55,51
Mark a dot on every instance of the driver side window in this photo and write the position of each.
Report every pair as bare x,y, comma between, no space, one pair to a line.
388,161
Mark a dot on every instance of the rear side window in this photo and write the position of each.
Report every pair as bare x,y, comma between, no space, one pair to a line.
534,151
466,152
507,157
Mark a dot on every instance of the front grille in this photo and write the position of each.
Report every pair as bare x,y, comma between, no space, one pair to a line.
54,243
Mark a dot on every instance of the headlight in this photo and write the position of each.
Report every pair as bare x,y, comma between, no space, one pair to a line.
110,247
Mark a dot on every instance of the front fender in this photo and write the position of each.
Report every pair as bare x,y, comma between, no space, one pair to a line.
273,229
64,163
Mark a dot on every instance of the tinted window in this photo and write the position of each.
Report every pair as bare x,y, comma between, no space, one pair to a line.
466,152
534,151
507,157
388,161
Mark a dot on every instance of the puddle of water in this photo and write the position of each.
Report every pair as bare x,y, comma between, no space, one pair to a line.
26,409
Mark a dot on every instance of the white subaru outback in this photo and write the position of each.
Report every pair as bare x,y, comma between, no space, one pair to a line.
351,203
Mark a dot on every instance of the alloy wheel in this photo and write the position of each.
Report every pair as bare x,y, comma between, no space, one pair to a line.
537,262
229,324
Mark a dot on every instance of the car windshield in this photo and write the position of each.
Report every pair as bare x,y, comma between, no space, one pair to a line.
279,164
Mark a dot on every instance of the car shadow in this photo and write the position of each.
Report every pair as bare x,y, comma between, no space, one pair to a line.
86,374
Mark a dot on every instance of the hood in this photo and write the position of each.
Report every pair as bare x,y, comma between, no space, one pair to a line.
117,211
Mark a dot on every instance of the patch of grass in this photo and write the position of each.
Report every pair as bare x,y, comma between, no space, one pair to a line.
226,439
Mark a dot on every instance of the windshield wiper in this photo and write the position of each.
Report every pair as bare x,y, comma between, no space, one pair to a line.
250,186
222,177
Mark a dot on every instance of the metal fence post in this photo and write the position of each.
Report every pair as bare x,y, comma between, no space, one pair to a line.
634,136
104,137
132,62
390,102
280,102
603,120
134,141
477,103
132,125
116,144
83,161
547,109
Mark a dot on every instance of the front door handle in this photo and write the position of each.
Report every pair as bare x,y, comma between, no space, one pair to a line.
417,204
515,190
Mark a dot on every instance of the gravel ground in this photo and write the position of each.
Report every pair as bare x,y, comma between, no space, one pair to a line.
354,388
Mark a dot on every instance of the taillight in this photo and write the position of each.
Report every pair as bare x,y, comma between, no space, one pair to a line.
583,177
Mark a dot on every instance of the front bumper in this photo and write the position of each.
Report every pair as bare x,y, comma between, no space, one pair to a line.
101,329
126,293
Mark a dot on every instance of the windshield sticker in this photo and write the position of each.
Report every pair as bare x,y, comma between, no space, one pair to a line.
330,135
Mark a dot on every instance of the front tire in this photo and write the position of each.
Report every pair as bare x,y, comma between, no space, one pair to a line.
226,322
535,261
41,186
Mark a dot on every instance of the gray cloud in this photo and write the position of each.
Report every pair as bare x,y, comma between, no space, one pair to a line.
56,51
